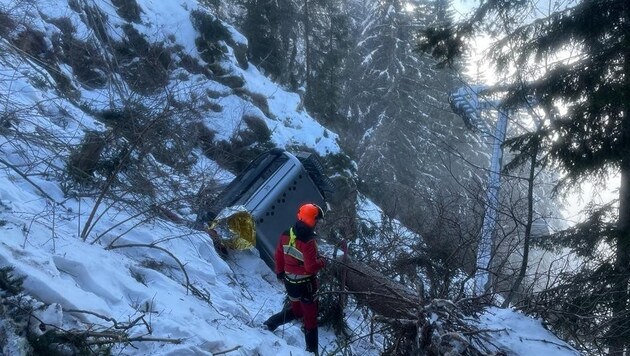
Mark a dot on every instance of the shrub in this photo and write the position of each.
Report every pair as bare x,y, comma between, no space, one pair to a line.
128,10
9,284
64,24
32,42
257,131
193,66
86,62
7,24
83,162
259,100
211,32
144,66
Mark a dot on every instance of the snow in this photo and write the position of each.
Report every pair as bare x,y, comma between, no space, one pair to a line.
521,334
167,274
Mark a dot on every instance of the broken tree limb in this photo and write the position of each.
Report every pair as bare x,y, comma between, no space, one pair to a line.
382,295
432,326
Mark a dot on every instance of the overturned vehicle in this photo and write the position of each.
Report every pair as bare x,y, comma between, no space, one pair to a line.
270,190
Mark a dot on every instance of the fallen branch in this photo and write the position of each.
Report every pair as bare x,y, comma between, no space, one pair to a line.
181,265
226,351
26,178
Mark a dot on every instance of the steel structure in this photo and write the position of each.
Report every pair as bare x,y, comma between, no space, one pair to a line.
465,102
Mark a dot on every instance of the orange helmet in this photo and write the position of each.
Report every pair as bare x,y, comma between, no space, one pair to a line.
309,214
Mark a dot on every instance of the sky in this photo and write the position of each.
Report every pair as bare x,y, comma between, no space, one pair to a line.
577,198
165,274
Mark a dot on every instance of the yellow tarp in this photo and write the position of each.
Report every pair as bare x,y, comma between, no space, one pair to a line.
235,227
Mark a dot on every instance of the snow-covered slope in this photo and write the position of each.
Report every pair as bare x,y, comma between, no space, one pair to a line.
161,283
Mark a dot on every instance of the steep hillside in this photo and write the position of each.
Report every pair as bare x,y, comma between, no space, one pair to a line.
121,120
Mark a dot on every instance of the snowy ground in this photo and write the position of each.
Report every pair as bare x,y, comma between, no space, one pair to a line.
167,275
70,275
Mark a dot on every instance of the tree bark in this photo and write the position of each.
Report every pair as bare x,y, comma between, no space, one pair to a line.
528,228
379,293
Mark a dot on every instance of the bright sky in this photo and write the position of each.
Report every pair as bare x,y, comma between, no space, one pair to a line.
81,284
480,70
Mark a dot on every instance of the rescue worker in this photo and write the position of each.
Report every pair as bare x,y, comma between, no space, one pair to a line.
297,263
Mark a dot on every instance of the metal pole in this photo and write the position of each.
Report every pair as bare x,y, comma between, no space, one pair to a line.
484,250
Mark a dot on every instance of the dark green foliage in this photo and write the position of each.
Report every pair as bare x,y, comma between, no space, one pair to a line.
83,56
32,42
331,304
9,284
265,27
234,81
192,65
248,143
588,139
211,30
61,343
257,131
585,238
74,5
437,19
13,312
211,3
579,306
120,155
236,157
7,24
64,24
205,137
128,10
144,66
398,98
442,43
331,43
259,100
168,140
97,20
337,163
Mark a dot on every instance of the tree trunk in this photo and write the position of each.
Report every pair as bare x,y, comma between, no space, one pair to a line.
621,317
382,295
307,52
620,325
528,228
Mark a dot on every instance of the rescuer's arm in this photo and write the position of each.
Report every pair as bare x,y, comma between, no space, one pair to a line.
312,261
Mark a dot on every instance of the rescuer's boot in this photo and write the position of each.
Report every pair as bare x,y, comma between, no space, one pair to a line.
285,316
311,338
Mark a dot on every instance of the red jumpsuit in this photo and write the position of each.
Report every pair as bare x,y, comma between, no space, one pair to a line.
297,258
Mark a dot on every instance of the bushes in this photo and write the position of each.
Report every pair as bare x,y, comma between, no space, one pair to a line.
212,33
247,143
83,162
7,24
86,62
144,66
128,10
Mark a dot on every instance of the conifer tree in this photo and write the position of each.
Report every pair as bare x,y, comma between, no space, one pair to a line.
329,47
272,28
589,136
261,27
